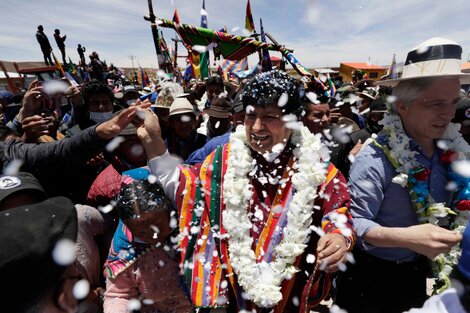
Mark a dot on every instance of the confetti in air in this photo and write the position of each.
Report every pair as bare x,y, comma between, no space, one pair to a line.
13,168
113,144
81,289
64,252
134,305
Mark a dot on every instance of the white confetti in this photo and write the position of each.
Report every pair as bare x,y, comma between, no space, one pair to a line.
148,301
81,289
199,48
185,118
152,179
217,124
295,301
312,97
235,29
311,258
106,209
461,167
13,167
337,309
64,252
113,144
134,305
391,99
283,100
423,49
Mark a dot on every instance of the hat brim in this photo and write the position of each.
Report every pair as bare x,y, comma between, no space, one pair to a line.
217,114
464,79
182,112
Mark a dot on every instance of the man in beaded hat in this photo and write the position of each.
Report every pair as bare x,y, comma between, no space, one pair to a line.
264,222
403,213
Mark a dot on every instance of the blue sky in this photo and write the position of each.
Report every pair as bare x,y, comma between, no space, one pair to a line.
321,32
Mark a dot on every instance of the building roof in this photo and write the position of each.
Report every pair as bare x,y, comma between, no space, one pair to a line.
364,66
465,67
325,71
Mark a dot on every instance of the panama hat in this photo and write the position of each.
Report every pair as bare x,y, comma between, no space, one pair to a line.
436,57
181,106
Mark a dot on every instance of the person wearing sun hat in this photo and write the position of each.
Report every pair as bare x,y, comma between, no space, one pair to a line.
183,138
410,159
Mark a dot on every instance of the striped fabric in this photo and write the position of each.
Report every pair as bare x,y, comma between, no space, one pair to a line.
204,247
234,66
123,252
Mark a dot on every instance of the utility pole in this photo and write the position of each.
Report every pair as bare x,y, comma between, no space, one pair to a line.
132,57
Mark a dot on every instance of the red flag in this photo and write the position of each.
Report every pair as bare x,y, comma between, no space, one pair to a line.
249,24
176,17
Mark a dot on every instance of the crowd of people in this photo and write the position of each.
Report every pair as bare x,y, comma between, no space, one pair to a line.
269,194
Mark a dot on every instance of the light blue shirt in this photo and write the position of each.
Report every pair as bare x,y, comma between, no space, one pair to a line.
377,201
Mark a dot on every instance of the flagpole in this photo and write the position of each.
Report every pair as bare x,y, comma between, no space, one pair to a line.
156,39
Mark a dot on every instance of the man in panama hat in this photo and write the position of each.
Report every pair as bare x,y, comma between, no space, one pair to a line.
403,213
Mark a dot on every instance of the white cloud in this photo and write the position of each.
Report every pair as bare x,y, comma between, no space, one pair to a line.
321,32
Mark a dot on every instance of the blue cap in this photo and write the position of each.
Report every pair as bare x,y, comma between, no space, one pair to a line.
7,95
464,262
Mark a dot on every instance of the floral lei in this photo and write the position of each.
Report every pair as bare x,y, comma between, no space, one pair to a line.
261,281
416,178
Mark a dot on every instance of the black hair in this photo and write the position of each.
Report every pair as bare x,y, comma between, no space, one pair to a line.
95,87
56,30
141,197
268,87
215,81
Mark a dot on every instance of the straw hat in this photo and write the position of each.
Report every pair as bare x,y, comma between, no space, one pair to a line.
436,57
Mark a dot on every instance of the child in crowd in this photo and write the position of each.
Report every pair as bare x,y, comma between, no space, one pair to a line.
140,265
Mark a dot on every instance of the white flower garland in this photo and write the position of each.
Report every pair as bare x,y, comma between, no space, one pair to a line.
262,281
399,144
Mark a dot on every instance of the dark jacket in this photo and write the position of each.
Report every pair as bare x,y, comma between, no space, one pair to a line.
43,42
58,165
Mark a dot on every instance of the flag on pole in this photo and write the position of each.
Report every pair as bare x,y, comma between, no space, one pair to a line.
266,64
392,70
71,67
200,62
249,24
57,63
203,15
176,17
332,87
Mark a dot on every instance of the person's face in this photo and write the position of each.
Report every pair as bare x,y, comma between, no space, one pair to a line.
132,151
238,118
143,227
60,299
100,103
265,128
183,125
213,90
317,118
427,118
